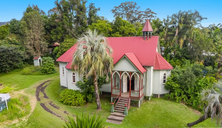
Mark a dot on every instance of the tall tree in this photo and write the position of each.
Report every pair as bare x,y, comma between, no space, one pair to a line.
92,14
131,12
122,27
93,58
33,23
4,30
102,26
213,109
73,15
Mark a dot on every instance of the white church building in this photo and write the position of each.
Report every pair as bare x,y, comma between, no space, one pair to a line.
139,69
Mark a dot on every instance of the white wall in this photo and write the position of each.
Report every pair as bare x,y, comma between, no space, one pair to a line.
106,87
71,84
124,65
158,86
149,81
36,62
63,79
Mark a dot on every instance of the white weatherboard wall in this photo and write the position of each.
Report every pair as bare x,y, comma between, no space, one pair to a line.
36,62
106,87
71,84
124,65
63,78
149,81
158,86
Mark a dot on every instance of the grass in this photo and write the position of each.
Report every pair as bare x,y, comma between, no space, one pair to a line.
155,113
17,108
19,81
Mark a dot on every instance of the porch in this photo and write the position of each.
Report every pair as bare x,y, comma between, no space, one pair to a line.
127,84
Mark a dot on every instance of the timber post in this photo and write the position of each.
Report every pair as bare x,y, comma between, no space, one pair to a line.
126,110
112,107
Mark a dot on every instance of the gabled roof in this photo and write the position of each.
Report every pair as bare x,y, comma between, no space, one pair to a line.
36,58
67,56
139,51
161,63
147,27
135,61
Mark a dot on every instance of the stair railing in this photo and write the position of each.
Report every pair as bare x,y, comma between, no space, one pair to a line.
114,103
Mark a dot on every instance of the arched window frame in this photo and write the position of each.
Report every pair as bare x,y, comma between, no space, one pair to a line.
63,72
164,78
73,77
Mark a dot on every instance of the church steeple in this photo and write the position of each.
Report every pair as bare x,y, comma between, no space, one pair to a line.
147,30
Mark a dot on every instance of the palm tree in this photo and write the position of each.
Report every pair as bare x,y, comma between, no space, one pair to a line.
214,108
84,122
93,58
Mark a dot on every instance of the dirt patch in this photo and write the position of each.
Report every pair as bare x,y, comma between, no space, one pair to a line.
53,105
43,91
38,89
48,110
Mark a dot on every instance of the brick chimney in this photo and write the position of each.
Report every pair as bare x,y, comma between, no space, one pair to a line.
147,30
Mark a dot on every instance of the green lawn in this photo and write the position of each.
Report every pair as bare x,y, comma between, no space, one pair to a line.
158,113
19,81
155,113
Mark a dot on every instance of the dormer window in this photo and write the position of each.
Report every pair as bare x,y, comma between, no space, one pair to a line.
164,78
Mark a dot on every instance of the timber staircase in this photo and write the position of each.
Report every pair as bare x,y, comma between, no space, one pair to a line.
118,115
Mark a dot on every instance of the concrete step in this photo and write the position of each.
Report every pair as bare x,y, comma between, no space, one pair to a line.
113,121
117,118
117,114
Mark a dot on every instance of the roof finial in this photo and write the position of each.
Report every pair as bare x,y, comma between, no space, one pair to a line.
147,30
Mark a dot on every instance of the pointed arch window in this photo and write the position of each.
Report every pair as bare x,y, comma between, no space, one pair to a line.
63,71
164,78
73,77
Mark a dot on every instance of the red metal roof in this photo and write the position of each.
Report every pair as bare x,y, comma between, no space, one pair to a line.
135,61
147,26
35,58
67,56
161,63
144,50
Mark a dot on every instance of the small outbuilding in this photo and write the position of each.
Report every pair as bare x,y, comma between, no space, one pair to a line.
37,61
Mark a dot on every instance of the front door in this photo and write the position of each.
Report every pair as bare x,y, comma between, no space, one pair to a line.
124,83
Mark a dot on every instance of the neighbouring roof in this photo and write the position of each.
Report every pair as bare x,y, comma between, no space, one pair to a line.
147,27
135,61
139,51
56,44
161,63
36,58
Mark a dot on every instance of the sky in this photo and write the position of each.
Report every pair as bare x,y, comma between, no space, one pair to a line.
211,9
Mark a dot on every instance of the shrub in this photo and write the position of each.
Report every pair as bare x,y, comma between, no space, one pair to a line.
72,97
48,66
87,87
185,84
6,89
31,70
85,122
11,57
